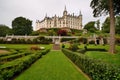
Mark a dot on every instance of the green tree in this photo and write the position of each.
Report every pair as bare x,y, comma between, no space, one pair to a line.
22,26
111,7
106,24
4,30
90,26
98,24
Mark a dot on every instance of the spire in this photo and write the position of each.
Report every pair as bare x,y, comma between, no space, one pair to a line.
65,8
65,11
46,15
80,13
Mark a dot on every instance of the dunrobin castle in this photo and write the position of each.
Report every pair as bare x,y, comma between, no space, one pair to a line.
66,21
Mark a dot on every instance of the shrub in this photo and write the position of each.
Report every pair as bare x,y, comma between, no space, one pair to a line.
96,69
62,32
83,40
66,39
34,48
63,45
74,47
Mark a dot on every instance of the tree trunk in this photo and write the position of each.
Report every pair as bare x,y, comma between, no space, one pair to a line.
112,27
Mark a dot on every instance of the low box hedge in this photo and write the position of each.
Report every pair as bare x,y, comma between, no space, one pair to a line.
8,70
96,69
13,57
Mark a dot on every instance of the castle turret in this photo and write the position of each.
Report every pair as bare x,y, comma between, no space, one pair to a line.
46,15
65,11
80,13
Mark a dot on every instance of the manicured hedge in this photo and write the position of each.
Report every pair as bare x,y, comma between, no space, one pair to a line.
38,40
96,69
9,69
15,56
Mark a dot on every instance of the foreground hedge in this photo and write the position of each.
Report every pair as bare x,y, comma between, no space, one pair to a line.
9,69
13,57
96,69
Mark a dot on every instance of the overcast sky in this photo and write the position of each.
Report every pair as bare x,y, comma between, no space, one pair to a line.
37,9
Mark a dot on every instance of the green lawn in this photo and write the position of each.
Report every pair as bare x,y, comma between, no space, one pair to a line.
53,66
105,56
25,46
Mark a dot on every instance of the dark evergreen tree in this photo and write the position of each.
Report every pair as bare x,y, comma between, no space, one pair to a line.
22,26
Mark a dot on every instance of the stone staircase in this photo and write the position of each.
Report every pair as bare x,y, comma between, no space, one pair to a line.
56,47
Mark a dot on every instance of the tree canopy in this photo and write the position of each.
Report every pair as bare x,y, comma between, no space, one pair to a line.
4,30
90,26
106,25
22,26
102,7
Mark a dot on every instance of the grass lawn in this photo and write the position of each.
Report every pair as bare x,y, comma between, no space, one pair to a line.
105,56
25,46
53,66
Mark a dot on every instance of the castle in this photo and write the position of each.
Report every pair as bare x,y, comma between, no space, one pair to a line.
66,21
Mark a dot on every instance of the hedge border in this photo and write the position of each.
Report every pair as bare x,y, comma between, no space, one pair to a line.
96,69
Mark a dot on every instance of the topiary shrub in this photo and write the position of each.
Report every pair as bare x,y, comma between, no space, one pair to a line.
63,45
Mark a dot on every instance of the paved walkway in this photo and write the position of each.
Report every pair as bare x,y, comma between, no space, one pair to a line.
53,66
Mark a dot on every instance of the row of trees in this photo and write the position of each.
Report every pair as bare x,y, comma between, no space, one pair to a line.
20,26
94,26
106,25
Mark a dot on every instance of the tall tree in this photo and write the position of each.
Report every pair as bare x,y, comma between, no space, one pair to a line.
111,7
22,26
4,30
112,27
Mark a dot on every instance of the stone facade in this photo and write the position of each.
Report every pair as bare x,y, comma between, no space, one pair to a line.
67,20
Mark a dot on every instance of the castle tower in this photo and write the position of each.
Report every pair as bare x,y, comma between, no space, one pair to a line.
80,17
65,11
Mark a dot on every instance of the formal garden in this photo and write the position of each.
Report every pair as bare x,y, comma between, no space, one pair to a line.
92,53
84,57
74,61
